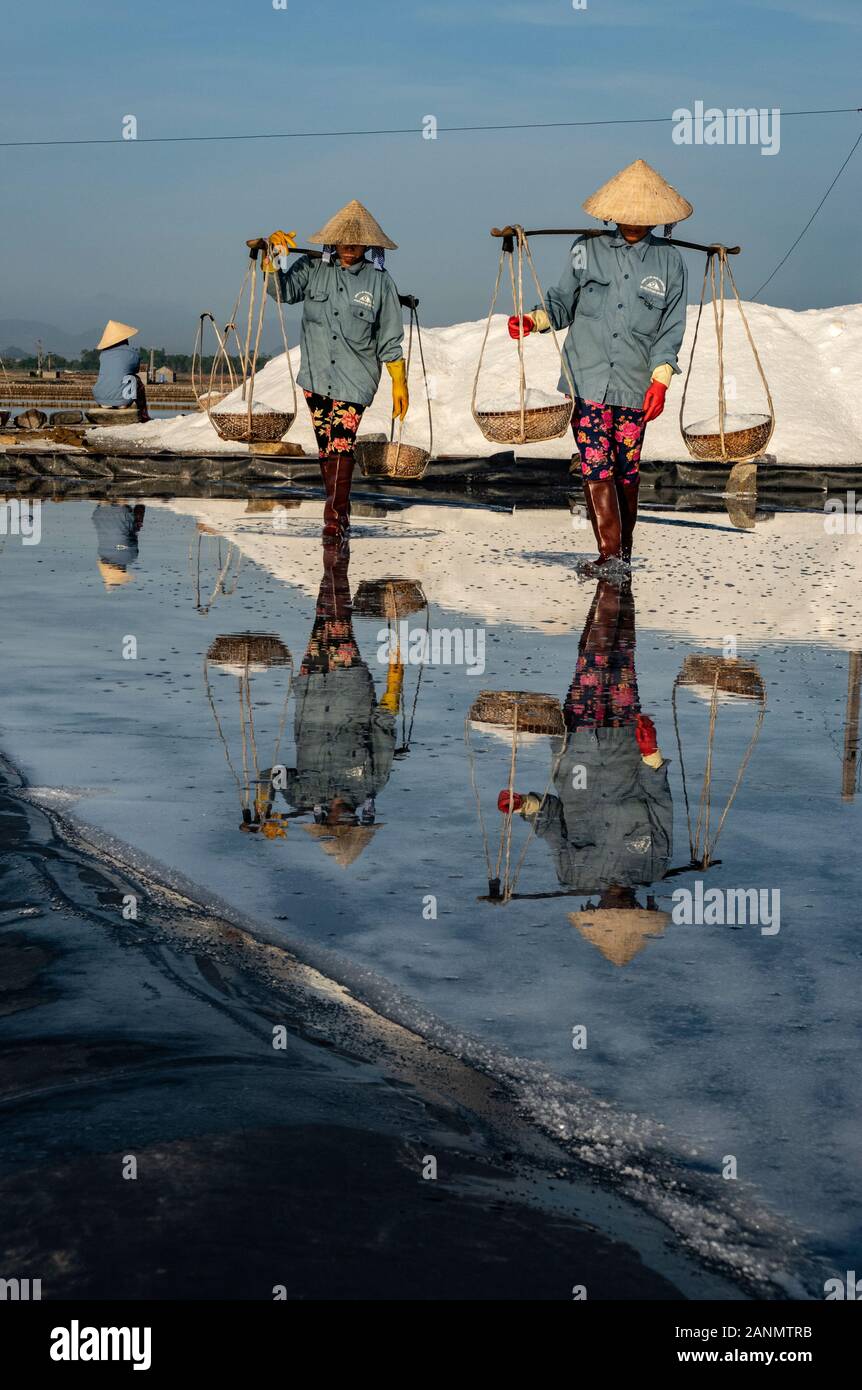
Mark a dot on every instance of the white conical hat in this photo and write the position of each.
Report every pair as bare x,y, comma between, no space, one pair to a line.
353,226
639,196
114,333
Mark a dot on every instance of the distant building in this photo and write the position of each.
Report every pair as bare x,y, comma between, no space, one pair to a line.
165,376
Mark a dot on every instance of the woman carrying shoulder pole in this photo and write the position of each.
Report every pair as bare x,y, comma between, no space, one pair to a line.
622,296
351,323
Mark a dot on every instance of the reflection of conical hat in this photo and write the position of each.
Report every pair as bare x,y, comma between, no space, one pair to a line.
114,333
638,196
353,226
344,842
114,575
620,933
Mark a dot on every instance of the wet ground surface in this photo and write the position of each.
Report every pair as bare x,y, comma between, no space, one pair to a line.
704,1041
157,1144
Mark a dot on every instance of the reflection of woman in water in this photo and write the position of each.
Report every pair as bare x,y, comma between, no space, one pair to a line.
610,825
117,526
345,738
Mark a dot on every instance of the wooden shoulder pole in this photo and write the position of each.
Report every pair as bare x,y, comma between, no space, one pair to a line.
508,234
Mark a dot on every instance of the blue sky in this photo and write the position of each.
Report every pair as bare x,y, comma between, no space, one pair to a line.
154,233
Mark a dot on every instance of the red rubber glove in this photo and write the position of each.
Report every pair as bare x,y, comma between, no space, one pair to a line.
518,329
653,401
503,802
645,735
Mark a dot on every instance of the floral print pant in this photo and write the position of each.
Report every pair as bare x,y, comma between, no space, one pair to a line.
604,689
335,423
609,439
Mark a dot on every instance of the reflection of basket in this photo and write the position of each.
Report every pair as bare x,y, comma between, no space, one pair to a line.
266,425
540,422
734,677
381,460
388,598
537,714
739,445
4,416
249,649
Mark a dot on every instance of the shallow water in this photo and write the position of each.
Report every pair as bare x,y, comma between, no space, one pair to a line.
703,1042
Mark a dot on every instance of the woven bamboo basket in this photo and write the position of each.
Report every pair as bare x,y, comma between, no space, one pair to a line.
265,425
735,677
739,445
388,598
123,415
540,423
537,714
211,399
382,460
261,649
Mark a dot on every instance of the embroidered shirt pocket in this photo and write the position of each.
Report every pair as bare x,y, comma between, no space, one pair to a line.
646,313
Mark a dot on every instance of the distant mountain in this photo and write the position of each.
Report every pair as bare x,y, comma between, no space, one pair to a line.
18,338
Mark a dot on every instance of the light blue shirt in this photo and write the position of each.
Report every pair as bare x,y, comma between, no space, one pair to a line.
117,383
624,307
351,322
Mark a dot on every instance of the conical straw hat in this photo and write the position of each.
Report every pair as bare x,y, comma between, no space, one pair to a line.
353,226
640,197
114,333
620,933
344,842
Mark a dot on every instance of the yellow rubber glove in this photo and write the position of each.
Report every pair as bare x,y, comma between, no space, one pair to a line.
663,374
394,681
400,395
653,759
278,244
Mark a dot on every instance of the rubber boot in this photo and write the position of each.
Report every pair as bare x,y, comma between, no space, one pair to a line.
604,508
334,598
591,513
337,471
627,495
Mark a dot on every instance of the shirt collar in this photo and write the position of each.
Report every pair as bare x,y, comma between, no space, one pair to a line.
640,247
354,269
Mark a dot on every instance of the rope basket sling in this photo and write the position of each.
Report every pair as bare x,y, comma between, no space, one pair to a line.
241,655
228,564
522,712
715,676
397,459
702,439
225,381
526,425
250,426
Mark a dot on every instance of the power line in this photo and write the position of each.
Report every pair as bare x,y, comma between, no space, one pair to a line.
397,130
787,254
